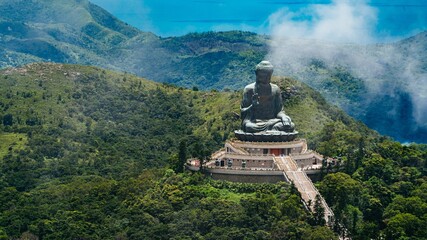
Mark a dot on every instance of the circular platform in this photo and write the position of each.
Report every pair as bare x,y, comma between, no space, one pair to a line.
269,136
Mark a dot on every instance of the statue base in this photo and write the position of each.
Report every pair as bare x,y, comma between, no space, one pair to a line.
268,136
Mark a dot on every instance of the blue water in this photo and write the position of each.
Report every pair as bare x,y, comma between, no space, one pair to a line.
396,18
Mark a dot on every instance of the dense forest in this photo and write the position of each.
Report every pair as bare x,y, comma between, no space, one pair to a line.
87,153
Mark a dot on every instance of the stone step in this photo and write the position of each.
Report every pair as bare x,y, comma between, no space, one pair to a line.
303,184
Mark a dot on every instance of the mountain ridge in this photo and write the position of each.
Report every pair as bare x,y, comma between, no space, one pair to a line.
224,60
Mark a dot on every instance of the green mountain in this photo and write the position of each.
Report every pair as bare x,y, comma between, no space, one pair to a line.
81,32
60,31
86,152
381,85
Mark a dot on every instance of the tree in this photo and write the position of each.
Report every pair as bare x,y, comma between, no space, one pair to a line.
319,211
376,166
360,152
319,233
182,155
404,226
8,119
352,219
177,161
174,162
287,229
340,189
413,205
3,235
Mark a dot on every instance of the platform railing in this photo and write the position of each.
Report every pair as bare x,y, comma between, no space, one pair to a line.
236,148
241,168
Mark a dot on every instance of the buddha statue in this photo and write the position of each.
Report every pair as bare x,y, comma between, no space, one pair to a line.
262,108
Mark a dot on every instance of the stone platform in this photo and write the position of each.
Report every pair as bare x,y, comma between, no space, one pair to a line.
268,136
257,158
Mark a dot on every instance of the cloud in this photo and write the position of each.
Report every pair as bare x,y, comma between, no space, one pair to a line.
340,21
342,34
416,84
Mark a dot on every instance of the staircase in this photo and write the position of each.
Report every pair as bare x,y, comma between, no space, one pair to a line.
304,185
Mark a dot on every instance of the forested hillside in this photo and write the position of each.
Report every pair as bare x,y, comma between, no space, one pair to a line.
74,104
88,153
80,147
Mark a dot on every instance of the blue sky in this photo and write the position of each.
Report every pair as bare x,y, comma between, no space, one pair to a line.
388,19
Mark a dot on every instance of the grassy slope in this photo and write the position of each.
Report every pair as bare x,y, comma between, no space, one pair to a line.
11,142
85,116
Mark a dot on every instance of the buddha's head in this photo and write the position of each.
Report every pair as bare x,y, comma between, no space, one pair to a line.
263,72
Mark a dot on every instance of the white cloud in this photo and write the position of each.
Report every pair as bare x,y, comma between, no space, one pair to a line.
333,33
340,21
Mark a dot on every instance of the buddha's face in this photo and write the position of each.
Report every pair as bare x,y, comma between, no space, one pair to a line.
263,76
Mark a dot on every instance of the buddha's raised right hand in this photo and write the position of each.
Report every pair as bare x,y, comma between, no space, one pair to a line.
255,100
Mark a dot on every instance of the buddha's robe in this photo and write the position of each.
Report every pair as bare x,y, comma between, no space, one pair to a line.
267,114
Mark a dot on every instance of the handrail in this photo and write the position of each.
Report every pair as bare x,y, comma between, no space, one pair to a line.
304,148
325,205
292,161
219,152
241,168
240,156
236,148
328,210
293,141
308,153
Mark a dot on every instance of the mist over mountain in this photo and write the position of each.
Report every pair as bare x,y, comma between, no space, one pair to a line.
383,85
